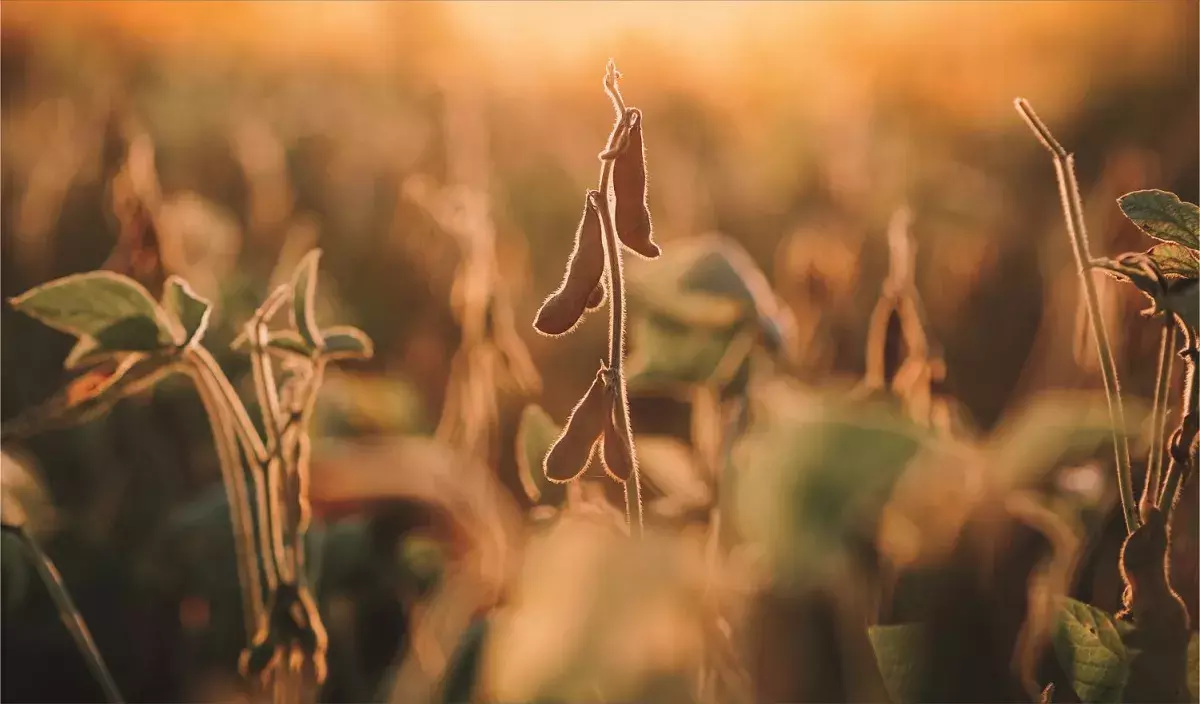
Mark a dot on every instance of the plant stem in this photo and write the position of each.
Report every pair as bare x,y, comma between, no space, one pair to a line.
69,613
1158,414
1068,189
225,441
616,320
1181,458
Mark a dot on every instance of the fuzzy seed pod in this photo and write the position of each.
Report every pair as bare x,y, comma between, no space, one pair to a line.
571,452
629,187
617,452
565,307
598,297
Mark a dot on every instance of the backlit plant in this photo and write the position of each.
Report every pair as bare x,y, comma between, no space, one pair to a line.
127,342
616,215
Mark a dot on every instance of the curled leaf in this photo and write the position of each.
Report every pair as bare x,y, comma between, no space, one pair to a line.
629,186
346,342
571,452
564,308
304,299
1175,260
190,310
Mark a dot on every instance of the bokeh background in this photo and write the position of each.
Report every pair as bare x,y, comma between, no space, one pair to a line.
796,129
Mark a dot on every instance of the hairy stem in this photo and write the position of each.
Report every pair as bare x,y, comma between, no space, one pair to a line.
71,618
1158,414
1068,188
1180,446
616,320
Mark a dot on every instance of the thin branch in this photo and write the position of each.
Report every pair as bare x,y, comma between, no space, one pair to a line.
1180,447
1064,167
1158,415
69,613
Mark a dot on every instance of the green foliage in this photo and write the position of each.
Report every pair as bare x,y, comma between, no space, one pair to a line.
113,313
536,432
304,300
1163,216
345,342
671,356
1175,260
1089,646
901,652
189,308
699,311
814,476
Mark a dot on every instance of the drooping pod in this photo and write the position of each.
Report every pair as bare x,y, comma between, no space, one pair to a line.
629,186
571,452
617,451
564,308
598,297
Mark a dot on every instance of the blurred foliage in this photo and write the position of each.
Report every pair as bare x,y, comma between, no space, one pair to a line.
786,513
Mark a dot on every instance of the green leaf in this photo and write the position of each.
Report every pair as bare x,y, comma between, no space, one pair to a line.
669,356
189,308
285,341
813,475
1089,648
536,432
1175,260
1193,666
709,281
901,652
1163,216
114,310
345,342
304,299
